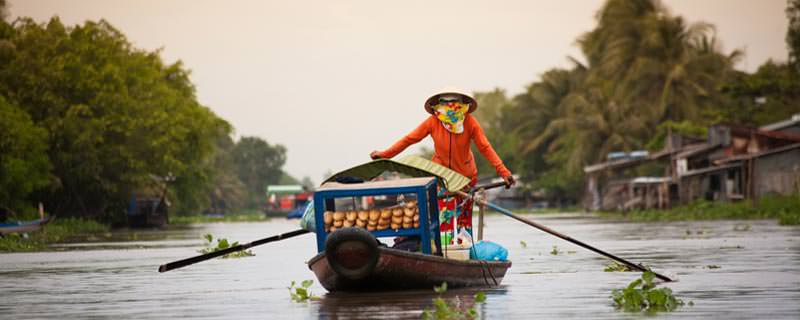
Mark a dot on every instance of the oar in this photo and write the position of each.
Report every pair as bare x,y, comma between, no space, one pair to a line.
203,257
565,237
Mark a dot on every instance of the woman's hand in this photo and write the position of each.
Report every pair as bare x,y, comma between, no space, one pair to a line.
375,155
509,180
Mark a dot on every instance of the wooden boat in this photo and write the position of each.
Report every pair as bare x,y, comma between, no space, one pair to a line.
23,226
402,270
351,259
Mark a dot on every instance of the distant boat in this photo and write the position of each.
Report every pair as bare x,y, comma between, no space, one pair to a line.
23,226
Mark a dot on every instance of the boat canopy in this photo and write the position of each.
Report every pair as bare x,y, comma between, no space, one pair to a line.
284,189
413,166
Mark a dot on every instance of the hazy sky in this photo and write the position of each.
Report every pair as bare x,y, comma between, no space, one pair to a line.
333,80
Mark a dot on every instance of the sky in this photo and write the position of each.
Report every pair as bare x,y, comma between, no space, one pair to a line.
334,80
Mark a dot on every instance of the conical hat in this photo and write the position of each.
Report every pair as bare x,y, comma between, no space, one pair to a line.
433,100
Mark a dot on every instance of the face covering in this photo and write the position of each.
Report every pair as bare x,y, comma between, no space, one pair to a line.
451,115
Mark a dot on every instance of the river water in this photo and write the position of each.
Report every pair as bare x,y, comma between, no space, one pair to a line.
728,269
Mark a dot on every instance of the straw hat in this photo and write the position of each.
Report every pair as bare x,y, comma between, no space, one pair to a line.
433,100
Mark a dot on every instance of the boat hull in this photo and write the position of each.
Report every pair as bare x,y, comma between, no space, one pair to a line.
401,270
23,226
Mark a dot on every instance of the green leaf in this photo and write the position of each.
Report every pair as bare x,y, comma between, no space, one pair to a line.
480,297
307,283
440,289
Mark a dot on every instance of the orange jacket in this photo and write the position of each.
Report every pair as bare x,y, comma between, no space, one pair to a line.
459,157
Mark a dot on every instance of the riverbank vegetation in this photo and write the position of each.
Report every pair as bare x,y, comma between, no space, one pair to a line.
58,230
786,209
90,121
643,71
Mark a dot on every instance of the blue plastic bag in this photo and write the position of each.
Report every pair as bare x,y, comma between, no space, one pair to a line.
487,250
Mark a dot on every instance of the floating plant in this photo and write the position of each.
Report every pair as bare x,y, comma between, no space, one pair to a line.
223,244
444,310
302,293
641,295
614,266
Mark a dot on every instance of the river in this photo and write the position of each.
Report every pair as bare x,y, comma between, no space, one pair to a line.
728,269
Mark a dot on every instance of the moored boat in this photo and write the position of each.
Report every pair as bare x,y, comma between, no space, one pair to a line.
23,226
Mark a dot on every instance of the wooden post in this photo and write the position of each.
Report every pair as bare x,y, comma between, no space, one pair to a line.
481,205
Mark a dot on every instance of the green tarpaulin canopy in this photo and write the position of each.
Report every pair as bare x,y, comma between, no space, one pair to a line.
413,166
284,189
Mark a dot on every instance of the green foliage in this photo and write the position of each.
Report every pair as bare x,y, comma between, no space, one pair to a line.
523,243
769,95
614,266
645,68
258,164
442,309
24,166
116,117
793,33
222,244
641,295
685,128
20,243
58,230
555,251
302,293
784,208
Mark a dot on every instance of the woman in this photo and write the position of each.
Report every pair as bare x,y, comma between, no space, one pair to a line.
452,128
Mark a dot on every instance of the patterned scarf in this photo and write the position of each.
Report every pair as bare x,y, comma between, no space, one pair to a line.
451,115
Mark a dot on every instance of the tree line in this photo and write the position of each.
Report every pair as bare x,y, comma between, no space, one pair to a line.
87,121
643,70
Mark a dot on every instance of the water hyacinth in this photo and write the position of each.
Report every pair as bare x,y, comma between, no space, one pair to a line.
641,295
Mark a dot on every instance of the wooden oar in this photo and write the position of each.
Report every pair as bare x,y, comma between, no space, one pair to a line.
203,257
565,237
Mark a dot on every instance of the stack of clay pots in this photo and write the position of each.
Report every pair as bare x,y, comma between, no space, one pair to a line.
402,216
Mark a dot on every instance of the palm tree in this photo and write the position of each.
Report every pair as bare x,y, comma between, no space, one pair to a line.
655,61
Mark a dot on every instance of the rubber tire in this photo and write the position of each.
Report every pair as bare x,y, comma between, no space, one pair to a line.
352,234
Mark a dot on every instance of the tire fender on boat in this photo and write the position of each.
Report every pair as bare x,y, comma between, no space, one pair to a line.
352,252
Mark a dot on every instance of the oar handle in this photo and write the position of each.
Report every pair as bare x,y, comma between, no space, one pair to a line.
211,255
567,238
489,186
